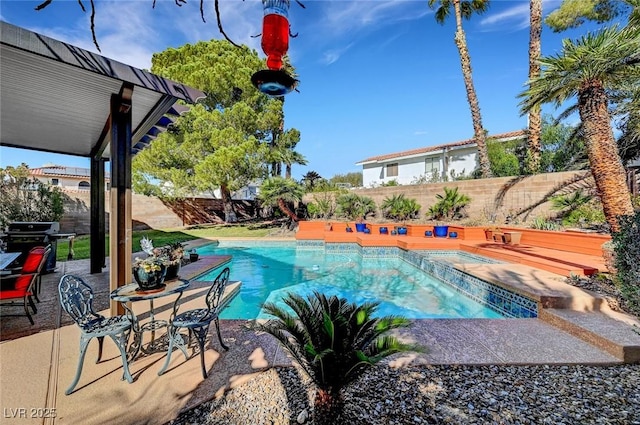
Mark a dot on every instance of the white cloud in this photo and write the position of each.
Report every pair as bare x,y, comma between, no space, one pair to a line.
517,14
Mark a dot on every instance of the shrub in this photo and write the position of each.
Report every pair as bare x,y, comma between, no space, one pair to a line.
543,223
450,205
334,342
323,205
355,207
398,207
626,244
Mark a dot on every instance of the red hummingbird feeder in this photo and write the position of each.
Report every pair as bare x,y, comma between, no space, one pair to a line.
275,43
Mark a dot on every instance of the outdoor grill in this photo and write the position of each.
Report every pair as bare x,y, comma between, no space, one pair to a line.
21,236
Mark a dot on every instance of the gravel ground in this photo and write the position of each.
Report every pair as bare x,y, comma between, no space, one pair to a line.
440,395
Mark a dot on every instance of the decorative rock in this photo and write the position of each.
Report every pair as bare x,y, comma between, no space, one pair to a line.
303,416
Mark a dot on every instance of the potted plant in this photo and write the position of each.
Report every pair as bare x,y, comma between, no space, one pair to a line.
193,255
441,230
360,225
348,228
175,254
489,231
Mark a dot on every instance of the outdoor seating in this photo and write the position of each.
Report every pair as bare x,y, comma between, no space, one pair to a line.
197,321
76,298
22,290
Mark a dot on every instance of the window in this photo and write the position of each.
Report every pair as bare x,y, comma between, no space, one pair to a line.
431,165
84,185
55,182
392,170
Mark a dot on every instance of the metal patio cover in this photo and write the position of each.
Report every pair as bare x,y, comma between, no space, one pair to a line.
55,97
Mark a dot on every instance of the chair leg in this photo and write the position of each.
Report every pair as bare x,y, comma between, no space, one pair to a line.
26,309
121,341
32,304
84,341
100,344
220,336
174,338
201,333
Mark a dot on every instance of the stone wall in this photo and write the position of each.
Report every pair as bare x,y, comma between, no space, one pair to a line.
493,199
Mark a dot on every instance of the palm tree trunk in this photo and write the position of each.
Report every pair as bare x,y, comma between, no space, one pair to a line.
465,60
535,117
285,209
606,167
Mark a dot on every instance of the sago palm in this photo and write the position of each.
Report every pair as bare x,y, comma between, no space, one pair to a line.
278,191
588,68
334,342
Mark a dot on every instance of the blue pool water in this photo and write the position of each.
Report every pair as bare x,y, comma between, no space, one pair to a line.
269,270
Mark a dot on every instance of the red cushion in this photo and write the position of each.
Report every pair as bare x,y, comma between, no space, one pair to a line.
31,265
13,293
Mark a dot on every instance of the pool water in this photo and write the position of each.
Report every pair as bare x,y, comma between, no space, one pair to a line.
268,271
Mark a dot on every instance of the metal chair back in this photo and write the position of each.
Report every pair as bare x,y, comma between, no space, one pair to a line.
76,298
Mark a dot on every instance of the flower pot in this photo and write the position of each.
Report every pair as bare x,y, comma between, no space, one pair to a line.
402,230
440,231
193,257
428,233
149,280
172,271
453,235
360,227
384,231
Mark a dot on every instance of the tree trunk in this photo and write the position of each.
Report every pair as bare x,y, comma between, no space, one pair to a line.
606,166
327,408
465,60
287,172
535,117
227,205
285,209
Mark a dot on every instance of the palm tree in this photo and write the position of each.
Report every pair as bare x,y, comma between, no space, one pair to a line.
464,9
310,179
278,191
587,68
334,342
535,116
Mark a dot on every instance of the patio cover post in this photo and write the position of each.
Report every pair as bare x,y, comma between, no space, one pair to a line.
97,211
120,199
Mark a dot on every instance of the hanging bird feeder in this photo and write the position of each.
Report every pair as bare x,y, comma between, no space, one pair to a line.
275,43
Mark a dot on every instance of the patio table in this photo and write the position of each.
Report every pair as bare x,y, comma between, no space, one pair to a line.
7,258
128,294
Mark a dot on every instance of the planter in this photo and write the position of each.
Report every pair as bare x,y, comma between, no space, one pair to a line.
384,231
360,227
453,235
428,233
151,280
172,271
193,257
440,231
402,230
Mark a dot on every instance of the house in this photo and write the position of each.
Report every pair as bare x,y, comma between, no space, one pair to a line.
432,163
66,178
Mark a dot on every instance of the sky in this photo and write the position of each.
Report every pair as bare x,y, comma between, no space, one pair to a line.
376,77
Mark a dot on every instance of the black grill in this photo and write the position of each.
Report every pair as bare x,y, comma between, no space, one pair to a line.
24,235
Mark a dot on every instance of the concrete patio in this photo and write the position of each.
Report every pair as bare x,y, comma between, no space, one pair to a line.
38,362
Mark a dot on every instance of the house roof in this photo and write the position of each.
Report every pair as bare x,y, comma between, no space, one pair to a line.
420,151
63,171
56,97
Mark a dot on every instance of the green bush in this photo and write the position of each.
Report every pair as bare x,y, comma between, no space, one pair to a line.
626,245
543,223
398,207
355,207
449,206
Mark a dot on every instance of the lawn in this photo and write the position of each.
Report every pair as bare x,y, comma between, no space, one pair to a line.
163,237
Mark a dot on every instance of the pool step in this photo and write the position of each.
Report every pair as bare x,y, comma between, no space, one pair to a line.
553,261
608,330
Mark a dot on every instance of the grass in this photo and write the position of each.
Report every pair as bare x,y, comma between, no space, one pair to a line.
81,245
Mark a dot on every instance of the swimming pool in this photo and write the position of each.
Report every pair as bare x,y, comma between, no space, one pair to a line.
269,270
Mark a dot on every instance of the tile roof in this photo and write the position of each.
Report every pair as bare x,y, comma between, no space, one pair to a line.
418,151
63,171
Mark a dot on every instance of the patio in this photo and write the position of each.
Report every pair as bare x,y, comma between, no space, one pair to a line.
38,362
